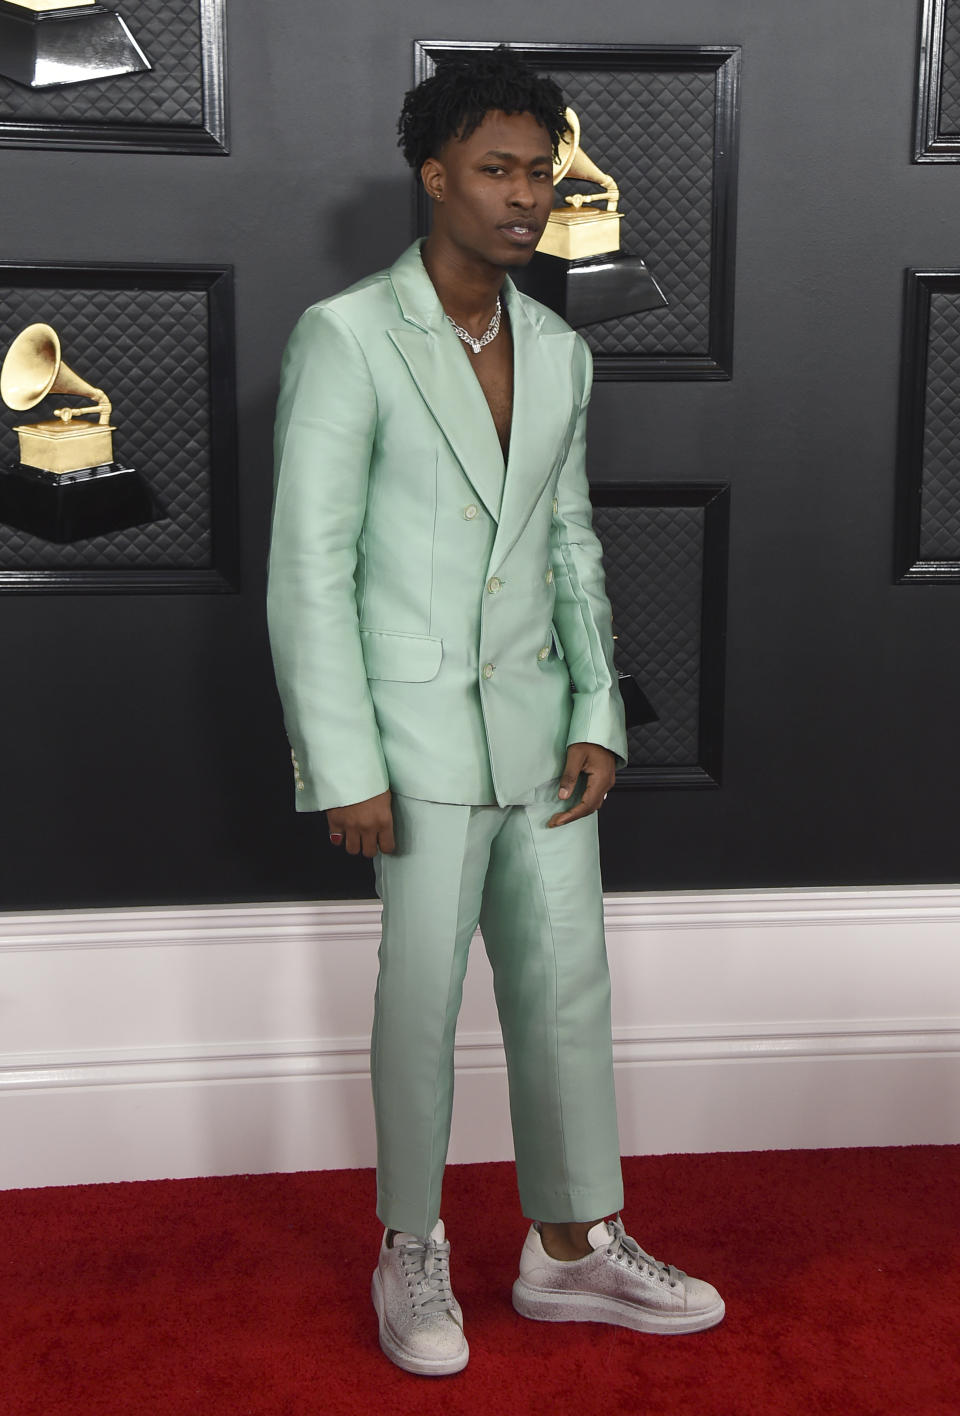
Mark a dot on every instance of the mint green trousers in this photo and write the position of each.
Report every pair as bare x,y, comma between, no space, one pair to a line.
537,896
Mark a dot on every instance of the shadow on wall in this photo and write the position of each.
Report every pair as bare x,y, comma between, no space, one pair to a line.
366,232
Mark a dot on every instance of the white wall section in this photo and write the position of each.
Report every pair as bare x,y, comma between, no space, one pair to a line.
144,1043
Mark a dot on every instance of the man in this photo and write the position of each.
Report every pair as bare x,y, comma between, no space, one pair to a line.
443,650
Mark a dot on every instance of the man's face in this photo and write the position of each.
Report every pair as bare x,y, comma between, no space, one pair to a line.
496,188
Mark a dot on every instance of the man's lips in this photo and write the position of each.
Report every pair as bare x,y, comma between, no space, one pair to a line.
523,233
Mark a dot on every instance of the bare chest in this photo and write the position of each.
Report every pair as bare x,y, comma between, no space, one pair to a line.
493,367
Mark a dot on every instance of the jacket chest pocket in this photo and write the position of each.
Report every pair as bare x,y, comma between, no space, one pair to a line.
410,658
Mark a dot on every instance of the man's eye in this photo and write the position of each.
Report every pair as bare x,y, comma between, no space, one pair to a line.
543,174
493,169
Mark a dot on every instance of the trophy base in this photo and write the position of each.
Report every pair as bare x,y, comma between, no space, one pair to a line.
53,446
591,290
573,233
45,48
73,506
637,708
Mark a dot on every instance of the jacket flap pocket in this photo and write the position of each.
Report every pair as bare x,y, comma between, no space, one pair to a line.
414,658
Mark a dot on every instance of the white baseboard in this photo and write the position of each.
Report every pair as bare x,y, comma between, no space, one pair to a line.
214,1040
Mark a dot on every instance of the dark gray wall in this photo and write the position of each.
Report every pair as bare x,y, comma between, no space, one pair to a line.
143,757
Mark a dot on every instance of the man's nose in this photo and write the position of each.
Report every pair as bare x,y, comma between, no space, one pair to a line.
523,194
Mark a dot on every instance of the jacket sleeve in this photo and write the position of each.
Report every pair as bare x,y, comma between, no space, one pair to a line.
582,612
325,426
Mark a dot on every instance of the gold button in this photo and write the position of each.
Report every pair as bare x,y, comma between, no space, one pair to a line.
470,511
299,785
549,576
556,506
488,671
494,584
544,653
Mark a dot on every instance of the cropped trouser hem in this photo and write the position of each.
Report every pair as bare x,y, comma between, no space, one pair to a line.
581,1207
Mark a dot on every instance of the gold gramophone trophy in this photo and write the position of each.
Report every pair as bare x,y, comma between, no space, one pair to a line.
579,269
579,229
67,484
66,442
47,43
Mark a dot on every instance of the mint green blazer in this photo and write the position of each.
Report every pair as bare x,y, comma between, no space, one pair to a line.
438,621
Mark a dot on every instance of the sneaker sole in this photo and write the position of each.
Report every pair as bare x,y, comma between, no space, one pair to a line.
420,1366
547,1305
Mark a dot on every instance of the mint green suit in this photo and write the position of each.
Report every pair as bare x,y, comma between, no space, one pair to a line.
440,627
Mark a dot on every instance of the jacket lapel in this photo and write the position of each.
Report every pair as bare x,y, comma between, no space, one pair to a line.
438,365
543,397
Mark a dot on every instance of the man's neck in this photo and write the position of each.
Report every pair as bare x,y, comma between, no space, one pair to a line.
467,288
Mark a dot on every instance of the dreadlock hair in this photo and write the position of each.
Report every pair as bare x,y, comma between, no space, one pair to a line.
454,101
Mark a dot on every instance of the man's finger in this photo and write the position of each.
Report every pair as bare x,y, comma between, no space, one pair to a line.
563,817
369,839
387,843
353,841
592,795
592,800
567,783
571,771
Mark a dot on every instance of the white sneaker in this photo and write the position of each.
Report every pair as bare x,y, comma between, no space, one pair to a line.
618,1283
421,1324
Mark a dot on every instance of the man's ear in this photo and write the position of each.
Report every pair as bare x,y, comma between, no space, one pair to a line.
432,176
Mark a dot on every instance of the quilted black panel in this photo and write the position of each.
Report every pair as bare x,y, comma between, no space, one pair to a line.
653,558
949,115
170,94
940,497
148,350
654,132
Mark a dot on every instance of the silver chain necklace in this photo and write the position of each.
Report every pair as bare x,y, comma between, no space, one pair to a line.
493,329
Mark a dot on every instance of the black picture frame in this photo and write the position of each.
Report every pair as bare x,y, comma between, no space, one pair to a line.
208,136
917,457
716,361
216,475
937,139
705,769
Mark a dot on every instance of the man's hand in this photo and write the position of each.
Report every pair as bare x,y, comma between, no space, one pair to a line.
365,826
599,766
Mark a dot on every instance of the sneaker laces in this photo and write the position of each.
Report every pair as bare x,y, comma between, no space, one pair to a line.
426,1265
622,1245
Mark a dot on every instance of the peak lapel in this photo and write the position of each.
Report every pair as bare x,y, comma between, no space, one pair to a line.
543,396
438,364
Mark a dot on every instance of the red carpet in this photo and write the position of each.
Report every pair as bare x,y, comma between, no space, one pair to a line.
248,1296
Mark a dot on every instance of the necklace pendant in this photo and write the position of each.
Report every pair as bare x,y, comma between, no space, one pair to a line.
493,329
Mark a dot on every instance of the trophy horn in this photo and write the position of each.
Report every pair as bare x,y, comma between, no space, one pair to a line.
572,161
35,366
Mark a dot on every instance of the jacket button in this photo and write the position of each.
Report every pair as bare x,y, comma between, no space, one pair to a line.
300,786
494,584
556,506
549,576
544,653
488,671
470,512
